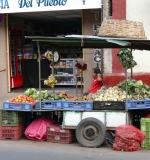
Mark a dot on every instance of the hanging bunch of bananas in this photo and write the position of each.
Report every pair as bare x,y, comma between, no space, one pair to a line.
49,55
51,81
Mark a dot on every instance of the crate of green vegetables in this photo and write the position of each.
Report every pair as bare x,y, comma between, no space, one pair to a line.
49,101
138,94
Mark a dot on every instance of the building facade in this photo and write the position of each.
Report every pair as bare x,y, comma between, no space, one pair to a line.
113,72
134,10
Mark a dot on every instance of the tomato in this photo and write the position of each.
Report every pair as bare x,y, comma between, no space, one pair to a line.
23,99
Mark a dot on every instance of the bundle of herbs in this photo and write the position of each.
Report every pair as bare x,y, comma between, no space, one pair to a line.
126,58
136,89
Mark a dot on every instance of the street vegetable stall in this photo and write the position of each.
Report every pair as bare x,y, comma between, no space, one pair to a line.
91,122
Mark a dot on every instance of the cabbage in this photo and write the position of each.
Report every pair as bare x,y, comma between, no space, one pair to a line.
146,86
35,96
45,95
30,91
139,83
27,93
33,90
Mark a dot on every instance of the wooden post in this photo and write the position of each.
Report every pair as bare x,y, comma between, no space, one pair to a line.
76,86
126,108
8,54
81,85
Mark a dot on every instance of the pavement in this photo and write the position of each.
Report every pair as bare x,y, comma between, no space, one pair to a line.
32,150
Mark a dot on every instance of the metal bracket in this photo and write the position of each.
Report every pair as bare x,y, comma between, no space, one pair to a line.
82,42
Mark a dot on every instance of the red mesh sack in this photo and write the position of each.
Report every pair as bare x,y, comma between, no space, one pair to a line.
37,129
148,115
128,138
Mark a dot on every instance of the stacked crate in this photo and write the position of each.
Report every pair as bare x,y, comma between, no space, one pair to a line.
11,125
57,135
145,127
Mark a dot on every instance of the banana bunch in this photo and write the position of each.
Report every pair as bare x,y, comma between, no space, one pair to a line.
50,82
49,55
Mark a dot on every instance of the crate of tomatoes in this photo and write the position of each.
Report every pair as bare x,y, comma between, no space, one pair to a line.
20,103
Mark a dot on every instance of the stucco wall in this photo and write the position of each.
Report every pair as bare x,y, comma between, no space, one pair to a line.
88,21
139,10
3,75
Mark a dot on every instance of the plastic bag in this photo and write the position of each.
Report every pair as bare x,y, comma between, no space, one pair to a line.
110,138
37,129
128,138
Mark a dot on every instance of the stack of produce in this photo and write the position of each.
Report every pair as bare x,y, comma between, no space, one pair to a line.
126,58
44,95
50,82
136,90
69,97
23,99
110,94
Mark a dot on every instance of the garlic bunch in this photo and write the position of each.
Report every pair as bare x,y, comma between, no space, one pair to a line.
110,94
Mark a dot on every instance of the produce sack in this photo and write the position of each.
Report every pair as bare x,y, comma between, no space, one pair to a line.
128,138
37,129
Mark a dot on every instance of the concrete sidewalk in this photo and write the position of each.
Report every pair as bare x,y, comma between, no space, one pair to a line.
32,150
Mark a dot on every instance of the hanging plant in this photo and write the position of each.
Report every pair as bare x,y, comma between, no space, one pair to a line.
126,58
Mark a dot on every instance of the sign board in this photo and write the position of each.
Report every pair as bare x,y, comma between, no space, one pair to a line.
18,6
96,26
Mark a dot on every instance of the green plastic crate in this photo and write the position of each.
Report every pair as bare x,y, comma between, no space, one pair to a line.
145,127
11,118
146,144
145,124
